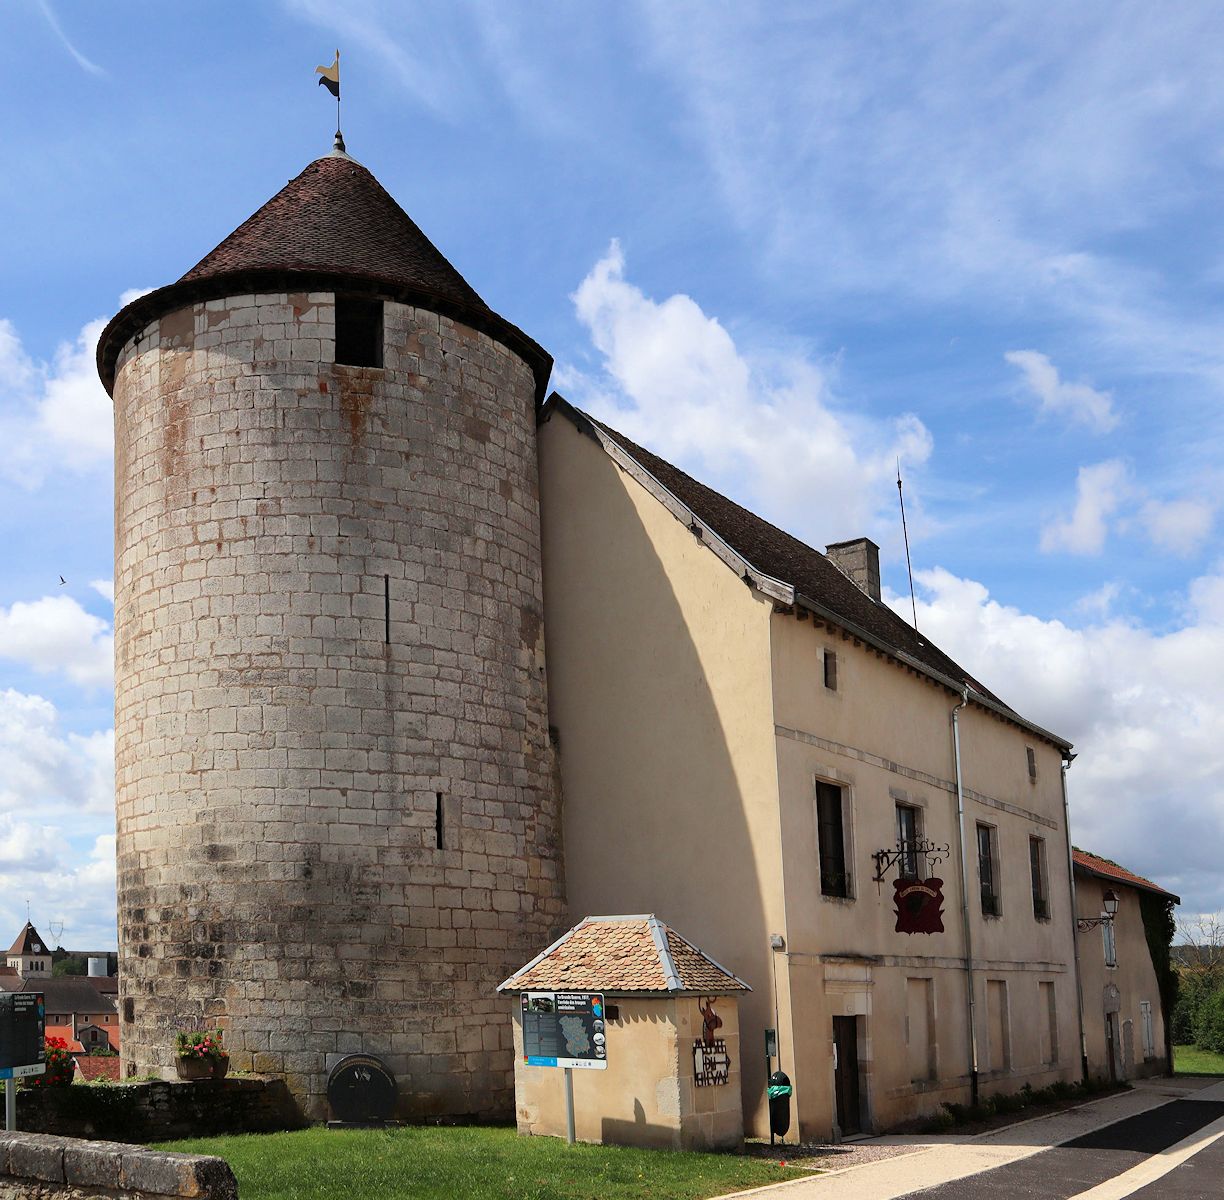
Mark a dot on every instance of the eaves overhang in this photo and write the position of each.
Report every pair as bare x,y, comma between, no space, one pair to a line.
778,589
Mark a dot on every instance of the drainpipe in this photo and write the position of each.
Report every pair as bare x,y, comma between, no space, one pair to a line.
964,865
1068,759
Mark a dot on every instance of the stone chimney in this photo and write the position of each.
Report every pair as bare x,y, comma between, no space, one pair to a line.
859,561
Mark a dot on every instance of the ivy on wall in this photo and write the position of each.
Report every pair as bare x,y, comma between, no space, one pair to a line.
1159,927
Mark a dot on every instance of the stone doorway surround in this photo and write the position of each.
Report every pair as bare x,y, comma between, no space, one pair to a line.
847,986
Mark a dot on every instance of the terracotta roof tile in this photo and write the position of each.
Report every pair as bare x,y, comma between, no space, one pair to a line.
332,227
623,954
336,217
29,941
1104,869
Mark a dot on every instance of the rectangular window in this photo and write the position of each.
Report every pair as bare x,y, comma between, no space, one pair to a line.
1111,948
1032,763
439,822
359,331
909,834
1037,867
988,869
830,670
831,837
1047,1013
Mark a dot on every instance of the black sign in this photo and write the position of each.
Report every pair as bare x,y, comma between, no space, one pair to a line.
22,1030
711,1062
564,1029
362,1091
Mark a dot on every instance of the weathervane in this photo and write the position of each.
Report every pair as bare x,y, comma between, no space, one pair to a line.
329,77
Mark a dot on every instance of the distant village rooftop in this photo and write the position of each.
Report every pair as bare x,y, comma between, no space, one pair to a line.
624,955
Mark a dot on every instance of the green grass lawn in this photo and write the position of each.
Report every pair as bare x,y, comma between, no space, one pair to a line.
1190,1060
480,1163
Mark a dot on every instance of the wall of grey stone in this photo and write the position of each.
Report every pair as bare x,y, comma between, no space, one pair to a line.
160,1110
37,1166
279,755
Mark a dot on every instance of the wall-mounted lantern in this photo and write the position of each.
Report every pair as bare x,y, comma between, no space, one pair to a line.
1083,924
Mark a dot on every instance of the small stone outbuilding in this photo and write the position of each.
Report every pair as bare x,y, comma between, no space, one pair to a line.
673,1049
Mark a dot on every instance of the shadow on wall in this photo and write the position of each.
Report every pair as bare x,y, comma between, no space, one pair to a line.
639,1132
652,687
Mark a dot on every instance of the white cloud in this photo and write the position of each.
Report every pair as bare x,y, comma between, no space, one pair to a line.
675,380
71,891
57,634
1145,710
53,416
1180,526
31,847
105,588
1099,491
1077,401
43,768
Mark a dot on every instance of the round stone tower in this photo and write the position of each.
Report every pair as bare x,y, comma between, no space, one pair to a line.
338,816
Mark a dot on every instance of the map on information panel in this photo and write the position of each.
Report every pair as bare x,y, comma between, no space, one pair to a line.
564,1029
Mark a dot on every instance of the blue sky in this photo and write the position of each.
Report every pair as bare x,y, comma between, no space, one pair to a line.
781,244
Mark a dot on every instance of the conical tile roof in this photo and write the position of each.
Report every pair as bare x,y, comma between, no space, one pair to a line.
336,217
29,941
333,227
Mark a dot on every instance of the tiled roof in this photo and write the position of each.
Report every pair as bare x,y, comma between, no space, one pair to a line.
336,217
776,554
1102,868
620,955
29,941
332,227
69,994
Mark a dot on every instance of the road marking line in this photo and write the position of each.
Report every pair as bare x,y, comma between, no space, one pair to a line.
1156,1167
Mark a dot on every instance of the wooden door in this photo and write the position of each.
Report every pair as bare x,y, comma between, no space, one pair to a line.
846,1074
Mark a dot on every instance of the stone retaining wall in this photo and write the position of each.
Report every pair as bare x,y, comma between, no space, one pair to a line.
160,1111
37,1166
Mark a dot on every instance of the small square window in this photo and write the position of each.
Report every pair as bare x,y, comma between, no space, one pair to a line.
359,331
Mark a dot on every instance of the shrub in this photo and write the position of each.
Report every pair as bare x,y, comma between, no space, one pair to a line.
939,1122
1209,1023
201,1043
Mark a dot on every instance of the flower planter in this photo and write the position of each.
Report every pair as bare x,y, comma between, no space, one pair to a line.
201,1068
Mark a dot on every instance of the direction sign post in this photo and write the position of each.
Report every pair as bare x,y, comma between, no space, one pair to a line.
22,1045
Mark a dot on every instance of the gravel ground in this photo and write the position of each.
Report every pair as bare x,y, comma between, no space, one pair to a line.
816,1156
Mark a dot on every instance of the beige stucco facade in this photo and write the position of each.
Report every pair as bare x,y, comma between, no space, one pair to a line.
1124,1029
694,724
646,1096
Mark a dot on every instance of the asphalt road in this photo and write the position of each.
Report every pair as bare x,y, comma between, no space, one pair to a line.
1075,1167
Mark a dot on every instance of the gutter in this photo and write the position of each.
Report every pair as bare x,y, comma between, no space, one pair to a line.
1068,759
970,990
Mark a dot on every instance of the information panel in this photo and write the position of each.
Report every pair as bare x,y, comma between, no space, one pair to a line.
564,1029
22,1028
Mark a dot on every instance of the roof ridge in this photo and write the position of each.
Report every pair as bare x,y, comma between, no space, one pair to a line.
658,933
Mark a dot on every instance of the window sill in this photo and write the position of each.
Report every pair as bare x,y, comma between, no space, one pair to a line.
844,900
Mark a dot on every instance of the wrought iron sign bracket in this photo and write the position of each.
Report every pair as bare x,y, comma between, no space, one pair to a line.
1084,924
885,860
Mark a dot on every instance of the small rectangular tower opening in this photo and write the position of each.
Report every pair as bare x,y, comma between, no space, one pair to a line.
359,331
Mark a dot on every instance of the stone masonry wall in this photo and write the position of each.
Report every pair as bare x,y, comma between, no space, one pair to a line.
328,622
37,1166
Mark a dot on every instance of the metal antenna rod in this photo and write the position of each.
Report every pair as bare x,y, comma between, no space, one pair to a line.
905,533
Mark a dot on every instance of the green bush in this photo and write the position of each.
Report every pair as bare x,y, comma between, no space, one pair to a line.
1190,998
1209,1023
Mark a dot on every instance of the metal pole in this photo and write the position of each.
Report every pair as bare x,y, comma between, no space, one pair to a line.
10,1105
569,1105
